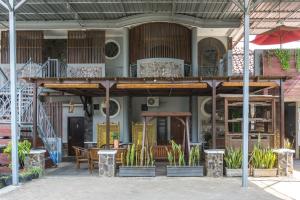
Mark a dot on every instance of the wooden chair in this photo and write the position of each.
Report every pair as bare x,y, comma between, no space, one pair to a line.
93,158
80,156
118,155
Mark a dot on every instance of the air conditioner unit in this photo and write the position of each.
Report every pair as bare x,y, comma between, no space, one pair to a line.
152,101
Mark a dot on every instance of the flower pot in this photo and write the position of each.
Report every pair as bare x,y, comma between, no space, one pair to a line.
116,144
234,172
8,181
265,172
184,171
137,171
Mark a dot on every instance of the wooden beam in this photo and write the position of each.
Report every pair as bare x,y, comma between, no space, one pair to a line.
71,85
161,85
251,84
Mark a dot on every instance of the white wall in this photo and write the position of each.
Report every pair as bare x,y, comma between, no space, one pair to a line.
98,117
223,39
166,104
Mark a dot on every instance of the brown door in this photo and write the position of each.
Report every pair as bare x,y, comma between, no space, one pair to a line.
177,130
75,133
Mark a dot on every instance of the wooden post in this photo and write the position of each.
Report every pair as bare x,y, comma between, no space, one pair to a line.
34,116
282,133
213,114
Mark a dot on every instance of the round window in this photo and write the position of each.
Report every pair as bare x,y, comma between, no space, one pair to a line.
114,108
112,49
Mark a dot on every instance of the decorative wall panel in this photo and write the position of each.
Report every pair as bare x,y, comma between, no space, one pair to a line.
160,40
86,46
29,45
160,67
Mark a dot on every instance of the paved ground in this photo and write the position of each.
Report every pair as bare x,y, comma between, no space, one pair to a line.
282,187
67,183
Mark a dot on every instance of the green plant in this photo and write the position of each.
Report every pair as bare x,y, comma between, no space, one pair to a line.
233,158
288,144
181,161
115,136
283,56
297,58
138,156
194,156
170,156
36,171
263,158
23,150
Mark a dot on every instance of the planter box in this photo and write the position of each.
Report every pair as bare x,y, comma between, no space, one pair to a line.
137,171
185,171
233,172
265,172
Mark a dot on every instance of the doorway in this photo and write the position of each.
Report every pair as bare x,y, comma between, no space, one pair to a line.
290,122
177,131
75,133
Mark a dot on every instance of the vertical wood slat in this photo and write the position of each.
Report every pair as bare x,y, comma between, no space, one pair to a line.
86,46
29,45
159,39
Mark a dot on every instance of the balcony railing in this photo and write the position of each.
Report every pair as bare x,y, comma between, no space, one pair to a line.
187,70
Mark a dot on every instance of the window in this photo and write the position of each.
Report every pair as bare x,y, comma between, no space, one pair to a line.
112,49
114,108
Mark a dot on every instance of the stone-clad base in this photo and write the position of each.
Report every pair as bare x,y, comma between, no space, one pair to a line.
285,161
107,163
214,162
36,158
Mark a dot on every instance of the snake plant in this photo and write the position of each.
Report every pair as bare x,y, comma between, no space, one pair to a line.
233,158
263,158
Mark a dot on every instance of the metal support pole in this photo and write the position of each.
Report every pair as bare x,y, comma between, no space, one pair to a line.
213,115
107,115
13,93
246,94
34,117
282,132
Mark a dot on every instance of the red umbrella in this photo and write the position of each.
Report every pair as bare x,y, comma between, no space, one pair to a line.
279,35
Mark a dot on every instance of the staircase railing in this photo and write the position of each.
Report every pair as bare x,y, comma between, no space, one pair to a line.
25,103
47,133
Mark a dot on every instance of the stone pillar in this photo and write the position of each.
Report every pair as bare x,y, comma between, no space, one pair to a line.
194,52
125,132
214,162
285,161
107,163
36,158
126,52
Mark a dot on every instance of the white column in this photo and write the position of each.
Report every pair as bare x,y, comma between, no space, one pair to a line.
126,52
13,80
297,140
246,93
194,51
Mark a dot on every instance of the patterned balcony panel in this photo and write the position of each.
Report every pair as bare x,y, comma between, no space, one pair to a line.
160,67
86,70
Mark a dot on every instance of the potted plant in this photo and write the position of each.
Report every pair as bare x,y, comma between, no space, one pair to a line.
36,172
177,166
137,162
23,150
116,137
263,162
233,161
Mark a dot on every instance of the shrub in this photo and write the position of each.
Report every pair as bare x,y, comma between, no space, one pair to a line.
233,158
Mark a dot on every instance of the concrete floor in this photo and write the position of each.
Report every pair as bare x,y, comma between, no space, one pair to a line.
67,183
